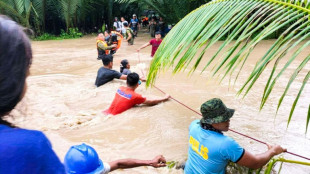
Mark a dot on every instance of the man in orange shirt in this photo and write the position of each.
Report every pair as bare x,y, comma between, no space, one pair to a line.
126,97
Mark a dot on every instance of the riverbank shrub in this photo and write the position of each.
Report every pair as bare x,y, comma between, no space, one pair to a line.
71,34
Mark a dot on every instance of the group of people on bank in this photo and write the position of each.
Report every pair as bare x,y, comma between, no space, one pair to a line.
29,151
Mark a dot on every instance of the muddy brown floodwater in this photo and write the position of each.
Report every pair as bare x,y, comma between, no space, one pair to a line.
63,102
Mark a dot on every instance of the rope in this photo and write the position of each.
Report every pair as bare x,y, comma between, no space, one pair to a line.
230,129
139,57
294,154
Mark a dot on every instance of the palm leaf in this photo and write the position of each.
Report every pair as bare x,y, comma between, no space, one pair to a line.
9,10
243,24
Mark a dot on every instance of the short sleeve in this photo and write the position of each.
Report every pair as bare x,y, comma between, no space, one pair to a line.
106,169
117,74
151,42
194,123
139,99
231,150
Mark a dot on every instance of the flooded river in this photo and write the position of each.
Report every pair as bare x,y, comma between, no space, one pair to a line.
63,101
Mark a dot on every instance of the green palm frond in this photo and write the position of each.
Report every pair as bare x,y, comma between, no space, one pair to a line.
243,24
9,10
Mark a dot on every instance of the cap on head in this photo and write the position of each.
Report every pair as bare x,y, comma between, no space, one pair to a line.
215,111
82,159
134,15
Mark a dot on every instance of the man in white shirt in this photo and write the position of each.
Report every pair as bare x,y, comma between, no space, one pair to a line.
117,25
123,29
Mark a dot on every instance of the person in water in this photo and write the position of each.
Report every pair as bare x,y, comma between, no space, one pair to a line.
124,67
84,159
126,97
129,35
22,150
102,45
210,150
154,42
105,74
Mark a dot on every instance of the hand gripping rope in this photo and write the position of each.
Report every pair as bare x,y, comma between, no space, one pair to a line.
294,154
229,129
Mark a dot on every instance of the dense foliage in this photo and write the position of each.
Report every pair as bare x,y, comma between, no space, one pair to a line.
53,16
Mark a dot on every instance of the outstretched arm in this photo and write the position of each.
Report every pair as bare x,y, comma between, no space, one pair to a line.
143,46
258,161
156,101
158,161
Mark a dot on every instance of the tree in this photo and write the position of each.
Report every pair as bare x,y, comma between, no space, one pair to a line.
243,24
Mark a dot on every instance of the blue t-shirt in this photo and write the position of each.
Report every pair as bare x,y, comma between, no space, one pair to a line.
134,23
209,151
27,151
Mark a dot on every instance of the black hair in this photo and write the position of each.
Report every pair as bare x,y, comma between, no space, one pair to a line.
158,32
125,24
132,79
15,60
109,32
123,65
107,59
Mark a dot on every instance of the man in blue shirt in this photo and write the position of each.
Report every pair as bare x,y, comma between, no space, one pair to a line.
134,24
210,150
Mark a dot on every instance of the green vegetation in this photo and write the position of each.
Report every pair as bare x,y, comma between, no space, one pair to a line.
233,168
242,24
71,34
48,18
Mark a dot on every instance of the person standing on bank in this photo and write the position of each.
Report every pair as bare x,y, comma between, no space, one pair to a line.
22,150
117,25
123,29
154,42
210,150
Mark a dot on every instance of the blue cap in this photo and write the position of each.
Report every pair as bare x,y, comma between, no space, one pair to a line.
83,159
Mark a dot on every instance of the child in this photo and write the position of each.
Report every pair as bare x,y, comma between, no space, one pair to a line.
124,67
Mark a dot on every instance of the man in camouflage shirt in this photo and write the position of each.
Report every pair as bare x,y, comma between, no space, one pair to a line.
102,46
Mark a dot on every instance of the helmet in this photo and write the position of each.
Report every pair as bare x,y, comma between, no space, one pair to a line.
82,159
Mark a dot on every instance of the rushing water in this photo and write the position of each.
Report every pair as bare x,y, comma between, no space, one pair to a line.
63,102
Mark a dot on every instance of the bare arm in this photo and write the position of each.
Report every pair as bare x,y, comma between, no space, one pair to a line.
156,101
258,161
143,46
123,77
129,36
158,161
